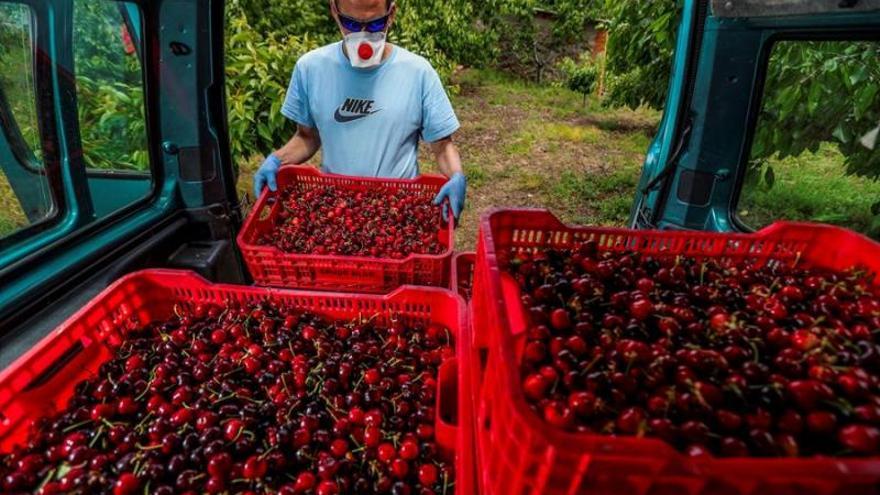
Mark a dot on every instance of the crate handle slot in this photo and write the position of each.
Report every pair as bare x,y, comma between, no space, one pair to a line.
56,366
446,429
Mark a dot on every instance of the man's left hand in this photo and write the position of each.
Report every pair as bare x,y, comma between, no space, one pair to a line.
455,190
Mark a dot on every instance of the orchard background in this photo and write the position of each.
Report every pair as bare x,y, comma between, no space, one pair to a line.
554,115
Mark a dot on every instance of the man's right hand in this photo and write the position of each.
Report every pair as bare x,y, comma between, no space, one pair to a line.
266,175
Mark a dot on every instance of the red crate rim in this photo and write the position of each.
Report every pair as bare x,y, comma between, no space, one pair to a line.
817,466
307,171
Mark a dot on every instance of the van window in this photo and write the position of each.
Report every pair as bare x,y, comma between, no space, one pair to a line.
816,151
110,99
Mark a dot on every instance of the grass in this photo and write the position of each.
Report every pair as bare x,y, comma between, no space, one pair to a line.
812,187
12,216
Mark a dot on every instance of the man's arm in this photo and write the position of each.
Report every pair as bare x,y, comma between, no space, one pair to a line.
301,147
447,156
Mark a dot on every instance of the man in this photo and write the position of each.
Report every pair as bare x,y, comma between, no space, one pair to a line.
367,103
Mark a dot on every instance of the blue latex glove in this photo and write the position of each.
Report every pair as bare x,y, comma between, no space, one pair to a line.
266,175
455,190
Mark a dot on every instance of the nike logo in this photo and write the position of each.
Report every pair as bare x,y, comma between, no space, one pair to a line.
348,118
354,109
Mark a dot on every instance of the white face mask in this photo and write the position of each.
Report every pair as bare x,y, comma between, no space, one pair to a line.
365,49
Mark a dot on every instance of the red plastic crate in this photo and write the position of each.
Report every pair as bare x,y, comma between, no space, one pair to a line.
40,382
520,454
272,267
461,278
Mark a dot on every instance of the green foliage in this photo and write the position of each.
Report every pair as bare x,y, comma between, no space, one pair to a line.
572,16
285,18
112,125
640,50
820,92
258,70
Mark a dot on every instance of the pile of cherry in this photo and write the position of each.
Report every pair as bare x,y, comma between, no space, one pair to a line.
248,399
721,358
377,223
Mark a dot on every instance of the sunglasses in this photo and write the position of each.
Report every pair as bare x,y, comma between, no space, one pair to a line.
373,26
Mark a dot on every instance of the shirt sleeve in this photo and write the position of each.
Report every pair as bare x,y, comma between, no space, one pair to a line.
296,103
438,117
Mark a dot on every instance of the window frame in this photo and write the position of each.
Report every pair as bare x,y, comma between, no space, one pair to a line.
759,90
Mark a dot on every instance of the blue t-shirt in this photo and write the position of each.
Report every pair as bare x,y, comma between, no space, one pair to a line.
369,120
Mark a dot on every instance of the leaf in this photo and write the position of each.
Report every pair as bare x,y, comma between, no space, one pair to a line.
875,208
63,469
859,75
788,99
831,65
865,99
770,177
841,134
815,97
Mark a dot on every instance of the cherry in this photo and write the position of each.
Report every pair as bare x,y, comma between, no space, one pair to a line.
535,386
399,468
409,450
641,309
126,484
645,285
232,429
386,453
428,475
372,436
559,415
631,420
535,352
102,412
305,481
805,340
327,487
733,447
582,403
560,320
372,376
219,464
862,439
127,406
719,321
